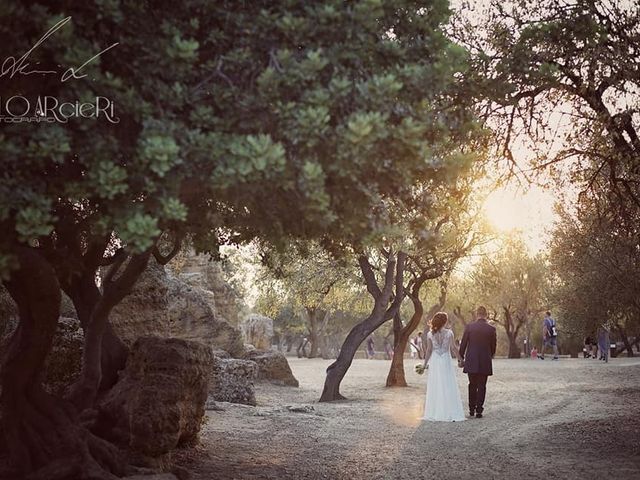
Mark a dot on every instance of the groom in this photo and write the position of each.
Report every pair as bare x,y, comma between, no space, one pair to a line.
477,348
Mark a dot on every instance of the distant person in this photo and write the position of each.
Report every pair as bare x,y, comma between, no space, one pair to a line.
420,345
413,347
590,347
534,353
388,349
477,348
603,343
549,336
302,347
371,350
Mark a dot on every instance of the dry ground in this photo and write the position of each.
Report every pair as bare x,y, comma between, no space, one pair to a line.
575,418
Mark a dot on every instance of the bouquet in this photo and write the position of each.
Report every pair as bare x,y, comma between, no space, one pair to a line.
420,368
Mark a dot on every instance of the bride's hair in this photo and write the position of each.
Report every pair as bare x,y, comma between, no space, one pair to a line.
438,321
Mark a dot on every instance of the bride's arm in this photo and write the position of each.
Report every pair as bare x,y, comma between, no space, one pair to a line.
427,354
455,350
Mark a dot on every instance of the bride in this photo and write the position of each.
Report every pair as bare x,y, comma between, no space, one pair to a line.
443,402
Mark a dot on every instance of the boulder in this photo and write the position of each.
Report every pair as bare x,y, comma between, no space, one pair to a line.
158,403
232,381
258,331
144,311
272,366
192,318
8,315
64,362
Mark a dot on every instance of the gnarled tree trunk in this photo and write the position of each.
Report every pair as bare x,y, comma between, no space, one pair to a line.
383,311
396,377
85,295
313,318
116,286
44,436
512,329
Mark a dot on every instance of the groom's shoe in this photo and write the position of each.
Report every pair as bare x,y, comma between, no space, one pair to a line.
472,413
479,415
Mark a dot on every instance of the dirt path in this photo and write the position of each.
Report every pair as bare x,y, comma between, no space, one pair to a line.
569,419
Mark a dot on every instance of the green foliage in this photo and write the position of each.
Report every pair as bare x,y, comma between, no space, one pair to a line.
139,230
235,121
596,262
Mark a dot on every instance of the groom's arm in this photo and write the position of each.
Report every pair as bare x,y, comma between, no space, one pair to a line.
464,343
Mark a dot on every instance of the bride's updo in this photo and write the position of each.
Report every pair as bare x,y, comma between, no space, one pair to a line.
438,321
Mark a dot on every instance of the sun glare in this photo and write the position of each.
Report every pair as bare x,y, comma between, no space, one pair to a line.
510,210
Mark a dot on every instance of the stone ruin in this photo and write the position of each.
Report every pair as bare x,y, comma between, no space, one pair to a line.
186,352
257,331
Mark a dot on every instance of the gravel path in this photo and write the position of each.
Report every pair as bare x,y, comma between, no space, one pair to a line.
575,418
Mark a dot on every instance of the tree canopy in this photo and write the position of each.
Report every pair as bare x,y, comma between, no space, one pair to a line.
232,122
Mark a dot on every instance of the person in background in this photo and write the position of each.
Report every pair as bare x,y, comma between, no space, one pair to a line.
549,336
420,346
534,353
603,343
371,350
413,348
388,349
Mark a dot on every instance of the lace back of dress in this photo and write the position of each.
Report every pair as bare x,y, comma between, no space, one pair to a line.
441,340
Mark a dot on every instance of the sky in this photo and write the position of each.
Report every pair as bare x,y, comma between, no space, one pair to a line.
531,212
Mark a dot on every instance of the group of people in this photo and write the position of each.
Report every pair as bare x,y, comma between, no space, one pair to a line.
475,353
597,346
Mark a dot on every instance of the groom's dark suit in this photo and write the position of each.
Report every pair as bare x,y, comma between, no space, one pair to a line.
477,348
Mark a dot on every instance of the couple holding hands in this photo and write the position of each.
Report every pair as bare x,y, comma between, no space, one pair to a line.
477,348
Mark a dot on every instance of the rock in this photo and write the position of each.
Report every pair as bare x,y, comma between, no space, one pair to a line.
273,366
164,305
157,476
8,315
258,331
192,318
158,403
201,271
232,381
144,311
67,309
212,406
301,408
64,362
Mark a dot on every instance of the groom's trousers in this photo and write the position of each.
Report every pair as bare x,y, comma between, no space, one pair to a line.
477,391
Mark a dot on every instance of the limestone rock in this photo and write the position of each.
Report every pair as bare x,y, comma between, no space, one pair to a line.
258,331
64,362
192,318
273,366
67,309
201,271
144,311
232,381
158,403
8,315
157,476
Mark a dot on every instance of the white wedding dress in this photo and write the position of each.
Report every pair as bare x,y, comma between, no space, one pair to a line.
443,402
